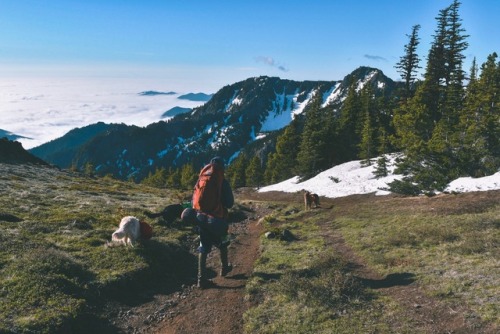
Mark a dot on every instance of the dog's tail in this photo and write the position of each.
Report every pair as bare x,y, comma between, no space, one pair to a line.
153,215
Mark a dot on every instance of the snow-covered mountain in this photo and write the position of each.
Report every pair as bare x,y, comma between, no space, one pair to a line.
246,113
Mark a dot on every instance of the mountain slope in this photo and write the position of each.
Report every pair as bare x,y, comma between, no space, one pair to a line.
237,115
9,135
61,151
12,152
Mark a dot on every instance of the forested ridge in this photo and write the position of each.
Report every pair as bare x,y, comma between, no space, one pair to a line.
446,123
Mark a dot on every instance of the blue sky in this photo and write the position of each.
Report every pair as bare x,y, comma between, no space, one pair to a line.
222,42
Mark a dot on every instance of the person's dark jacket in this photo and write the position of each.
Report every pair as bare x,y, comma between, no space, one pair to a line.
227,197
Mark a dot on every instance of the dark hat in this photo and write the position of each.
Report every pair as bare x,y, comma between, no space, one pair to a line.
217,160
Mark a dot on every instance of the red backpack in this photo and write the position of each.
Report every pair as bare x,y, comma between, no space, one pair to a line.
208,190
146,230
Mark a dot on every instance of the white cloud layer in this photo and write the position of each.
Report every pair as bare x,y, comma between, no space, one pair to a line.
45,109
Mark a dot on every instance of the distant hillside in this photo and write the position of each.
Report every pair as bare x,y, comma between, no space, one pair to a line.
61,151
9,135
12,152
154,93
242,115
175,111
197,97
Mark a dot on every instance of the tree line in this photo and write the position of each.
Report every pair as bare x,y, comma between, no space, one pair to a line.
447,126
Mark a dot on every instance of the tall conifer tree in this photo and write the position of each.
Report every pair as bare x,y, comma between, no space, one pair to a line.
479,128
286,152
350,125
367,142
408,64
313,153
254,173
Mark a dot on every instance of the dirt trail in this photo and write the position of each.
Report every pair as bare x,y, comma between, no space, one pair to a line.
218,309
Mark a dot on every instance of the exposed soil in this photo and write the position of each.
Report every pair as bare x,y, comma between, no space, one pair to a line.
219,309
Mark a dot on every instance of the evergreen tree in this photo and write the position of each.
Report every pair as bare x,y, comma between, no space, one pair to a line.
350,125
381,169
270,172
173,178
367,145
383,141
158,179
285,163
473,72
445,139
188,176
313,152
479,128
89,169
408,64
426,125
432,95
235,173
254,173
456,46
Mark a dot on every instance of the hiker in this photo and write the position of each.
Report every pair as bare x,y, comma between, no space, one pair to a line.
212,197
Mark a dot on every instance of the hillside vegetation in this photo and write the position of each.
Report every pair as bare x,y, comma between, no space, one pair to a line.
368,264
58,276
55,269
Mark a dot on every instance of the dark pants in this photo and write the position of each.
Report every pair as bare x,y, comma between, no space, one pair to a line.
213,232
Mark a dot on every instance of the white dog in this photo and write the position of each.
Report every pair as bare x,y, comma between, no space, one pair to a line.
128,232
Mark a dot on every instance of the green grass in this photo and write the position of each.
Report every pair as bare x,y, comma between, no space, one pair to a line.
450,245
303,287
54,264
455,256
55,270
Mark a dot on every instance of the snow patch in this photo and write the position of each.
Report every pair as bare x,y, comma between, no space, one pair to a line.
353,178
332,95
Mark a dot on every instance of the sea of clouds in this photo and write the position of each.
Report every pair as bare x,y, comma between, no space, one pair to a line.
46,109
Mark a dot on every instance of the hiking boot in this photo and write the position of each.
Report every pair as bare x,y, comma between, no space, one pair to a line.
224,270
204,283
225,266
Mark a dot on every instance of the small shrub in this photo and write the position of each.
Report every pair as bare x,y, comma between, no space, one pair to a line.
404,187
334,179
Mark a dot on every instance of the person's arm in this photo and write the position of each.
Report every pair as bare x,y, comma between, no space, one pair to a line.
227,195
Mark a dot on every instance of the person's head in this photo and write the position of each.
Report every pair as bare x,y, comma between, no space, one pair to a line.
218,161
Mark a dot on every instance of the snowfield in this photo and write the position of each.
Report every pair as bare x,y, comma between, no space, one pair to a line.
352,178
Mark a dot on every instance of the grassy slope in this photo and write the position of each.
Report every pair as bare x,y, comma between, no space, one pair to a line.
450,244
54,266
55,270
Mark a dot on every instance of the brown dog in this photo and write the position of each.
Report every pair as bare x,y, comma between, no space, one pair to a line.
310,199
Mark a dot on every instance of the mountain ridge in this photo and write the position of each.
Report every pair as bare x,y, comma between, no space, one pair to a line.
12,152
236,116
